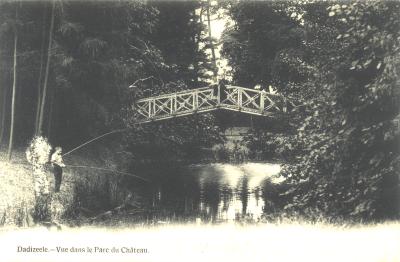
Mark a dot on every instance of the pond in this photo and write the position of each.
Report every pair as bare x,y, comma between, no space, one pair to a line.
210,192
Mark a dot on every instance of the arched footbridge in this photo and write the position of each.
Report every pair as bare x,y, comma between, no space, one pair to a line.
234,98
205,99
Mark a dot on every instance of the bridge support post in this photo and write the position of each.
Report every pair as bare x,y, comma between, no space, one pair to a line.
171,106
262,102
195,101
240,102
175,103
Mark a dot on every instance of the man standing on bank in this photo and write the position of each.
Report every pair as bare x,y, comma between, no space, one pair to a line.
57,164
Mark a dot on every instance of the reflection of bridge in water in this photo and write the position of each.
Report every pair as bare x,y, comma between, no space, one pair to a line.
207,99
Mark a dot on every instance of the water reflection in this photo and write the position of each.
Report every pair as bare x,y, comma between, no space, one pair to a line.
215,192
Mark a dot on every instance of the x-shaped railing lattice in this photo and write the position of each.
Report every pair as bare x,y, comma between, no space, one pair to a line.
206,99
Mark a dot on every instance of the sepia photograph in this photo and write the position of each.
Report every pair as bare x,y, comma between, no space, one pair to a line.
200,130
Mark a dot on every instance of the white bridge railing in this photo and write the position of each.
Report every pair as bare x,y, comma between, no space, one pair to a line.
206,99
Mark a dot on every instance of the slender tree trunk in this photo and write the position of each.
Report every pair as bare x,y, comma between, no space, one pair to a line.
195,38
11,140
39,89
46,76
3,107
212,47
50,119
196,62
3,114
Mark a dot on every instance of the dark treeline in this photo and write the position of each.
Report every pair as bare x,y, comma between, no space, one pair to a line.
75,61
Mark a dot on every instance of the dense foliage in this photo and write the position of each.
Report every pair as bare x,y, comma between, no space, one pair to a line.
102,57
340,62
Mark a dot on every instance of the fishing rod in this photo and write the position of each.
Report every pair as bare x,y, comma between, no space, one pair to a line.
101,168
96,138
110,170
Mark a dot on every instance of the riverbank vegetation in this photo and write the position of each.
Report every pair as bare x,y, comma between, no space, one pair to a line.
341,62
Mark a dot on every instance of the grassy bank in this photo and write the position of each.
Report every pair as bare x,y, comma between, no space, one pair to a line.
16,187
83,193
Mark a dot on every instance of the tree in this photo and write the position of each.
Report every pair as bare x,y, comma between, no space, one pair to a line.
211,43
14,88
3,113
179,35
29,25
259,35
39,87
46,74
342,70
4,95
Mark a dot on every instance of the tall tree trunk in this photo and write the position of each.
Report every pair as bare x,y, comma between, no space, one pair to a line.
39,89
50,119
195,61
3,114
212,47
196,41
46,76
14,89
4,92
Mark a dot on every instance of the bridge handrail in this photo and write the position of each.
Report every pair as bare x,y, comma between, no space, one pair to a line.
252,90
189,91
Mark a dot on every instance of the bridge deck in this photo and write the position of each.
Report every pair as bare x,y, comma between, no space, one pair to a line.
207,99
